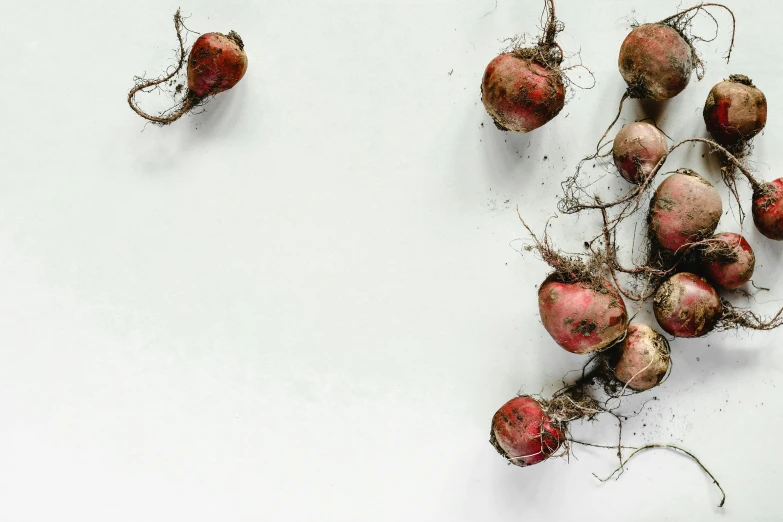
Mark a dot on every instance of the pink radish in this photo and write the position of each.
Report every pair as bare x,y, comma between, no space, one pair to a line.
735,111
581,316
728,260
524,434
768,209
638,148
216,63
685,209
642,359
686,305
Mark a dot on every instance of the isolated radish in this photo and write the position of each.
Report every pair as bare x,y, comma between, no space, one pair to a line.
642,359
685,209
523,89
735,111
638,148
524,434
216,63
728,260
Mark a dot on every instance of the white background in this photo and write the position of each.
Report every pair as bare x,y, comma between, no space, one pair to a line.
307,302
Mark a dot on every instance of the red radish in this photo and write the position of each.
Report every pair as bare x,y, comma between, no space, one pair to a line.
768,209
523,433
581,316
524,89
728,260
215,64
521,95
686,208
686,305
656,62
638,148
642,359
735,111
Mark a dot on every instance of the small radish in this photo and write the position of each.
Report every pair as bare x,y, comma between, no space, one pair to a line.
685,209
728,260
523,89
216,63
686,305
735,111
524,433
768,209
638,148
642,359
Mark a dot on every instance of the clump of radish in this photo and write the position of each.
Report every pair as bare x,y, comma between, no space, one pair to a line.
685,209
524,434
215,64
728,260
686,305
642,359
525,88
735,111
638,148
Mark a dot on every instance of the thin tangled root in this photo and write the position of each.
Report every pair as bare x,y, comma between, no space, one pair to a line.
567,269
621,469
186,104
547,52
734,318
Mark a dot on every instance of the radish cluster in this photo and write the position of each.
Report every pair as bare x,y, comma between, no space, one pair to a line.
689,263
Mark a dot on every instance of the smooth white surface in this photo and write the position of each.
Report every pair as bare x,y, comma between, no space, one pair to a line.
306,303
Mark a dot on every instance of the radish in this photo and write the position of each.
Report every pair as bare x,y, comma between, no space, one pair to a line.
656,60
580,315
523,89
581,310
728,260
768,209
524,433
735,111
686,305
638,148
685,209
216,63
642,359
